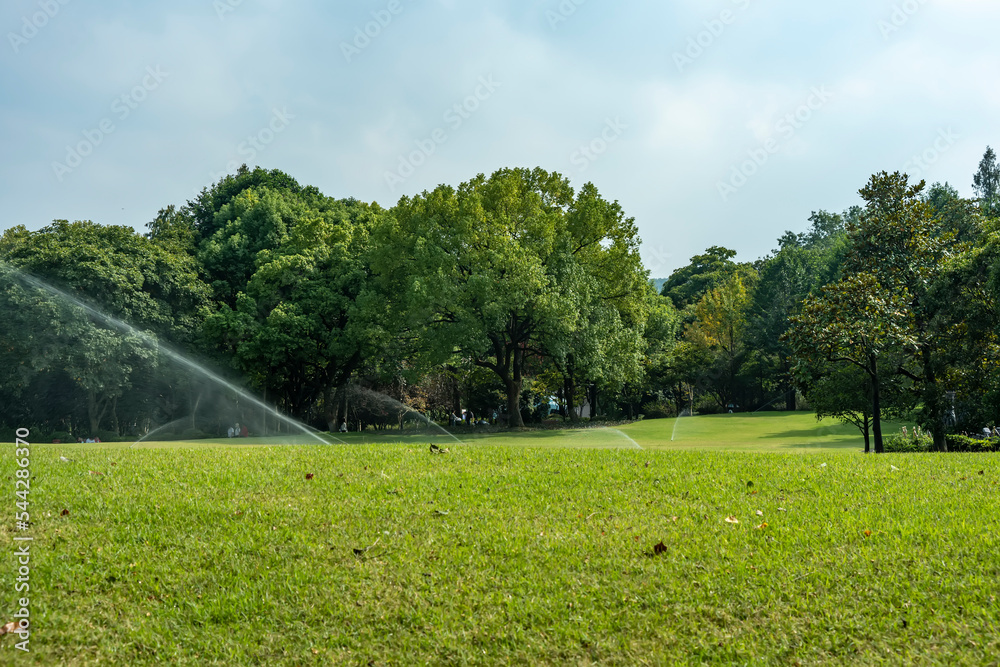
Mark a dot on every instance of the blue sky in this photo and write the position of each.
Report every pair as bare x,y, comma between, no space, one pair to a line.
712,123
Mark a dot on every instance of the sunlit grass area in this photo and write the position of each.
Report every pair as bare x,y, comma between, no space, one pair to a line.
379,554
763,431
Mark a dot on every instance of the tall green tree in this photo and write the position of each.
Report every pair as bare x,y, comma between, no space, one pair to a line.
855,321
296,327
986,183
152,287
688,284
718,336
899,240
494,271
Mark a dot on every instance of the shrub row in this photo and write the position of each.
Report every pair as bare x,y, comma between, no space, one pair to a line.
964,443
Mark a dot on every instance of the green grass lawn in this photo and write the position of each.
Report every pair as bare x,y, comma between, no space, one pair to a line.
491,554
761,432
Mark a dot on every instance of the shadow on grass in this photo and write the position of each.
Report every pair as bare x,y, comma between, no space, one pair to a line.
823,431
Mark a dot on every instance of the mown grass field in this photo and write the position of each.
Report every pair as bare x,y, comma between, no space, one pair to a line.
761,432
492,554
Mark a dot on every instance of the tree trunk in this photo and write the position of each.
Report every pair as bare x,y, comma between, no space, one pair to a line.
456,398
570,389
115,426
514,403
790,397
330,409
932,401
866,431
876,405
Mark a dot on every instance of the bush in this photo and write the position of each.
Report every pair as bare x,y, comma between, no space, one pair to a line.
660,409
108,436
909,441
61,436
964,443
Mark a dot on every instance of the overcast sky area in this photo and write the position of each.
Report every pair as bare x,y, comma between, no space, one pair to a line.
713,123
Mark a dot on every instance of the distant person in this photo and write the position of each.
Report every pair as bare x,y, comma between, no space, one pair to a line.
454,418
343,426
245,432
232,431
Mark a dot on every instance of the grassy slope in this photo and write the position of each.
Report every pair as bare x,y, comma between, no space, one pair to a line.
495,555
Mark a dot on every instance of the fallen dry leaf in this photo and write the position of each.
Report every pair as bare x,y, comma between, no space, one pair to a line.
10,627
732,519
660,548
64,513
868,533
309,475
761,526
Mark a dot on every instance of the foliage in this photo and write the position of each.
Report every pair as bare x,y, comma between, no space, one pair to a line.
963,443
513,267
906,441
986,183
688,284
61,352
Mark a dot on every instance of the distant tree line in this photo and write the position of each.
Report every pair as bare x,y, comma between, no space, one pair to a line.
491,297
499,296
885,310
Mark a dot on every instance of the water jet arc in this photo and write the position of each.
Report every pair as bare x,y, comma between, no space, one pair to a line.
172,354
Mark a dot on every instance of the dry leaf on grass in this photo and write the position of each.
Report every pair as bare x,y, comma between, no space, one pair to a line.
10,627
732,519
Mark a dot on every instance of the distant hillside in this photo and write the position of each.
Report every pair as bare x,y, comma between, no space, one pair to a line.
658,283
